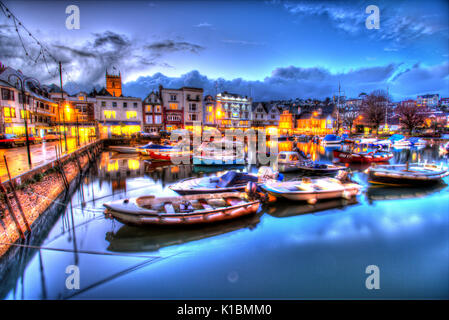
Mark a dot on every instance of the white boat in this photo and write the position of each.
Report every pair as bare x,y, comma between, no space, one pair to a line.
219,153
331,139
312,190
123,149
444,148
413,174
291,161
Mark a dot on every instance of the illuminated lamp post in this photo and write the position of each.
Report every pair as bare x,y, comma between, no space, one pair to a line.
20,85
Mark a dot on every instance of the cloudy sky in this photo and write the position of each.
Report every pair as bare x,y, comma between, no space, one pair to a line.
269,49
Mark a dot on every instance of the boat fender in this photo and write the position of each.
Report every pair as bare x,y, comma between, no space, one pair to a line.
280,177
312,201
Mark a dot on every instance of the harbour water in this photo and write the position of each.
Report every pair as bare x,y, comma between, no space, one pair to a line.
286,251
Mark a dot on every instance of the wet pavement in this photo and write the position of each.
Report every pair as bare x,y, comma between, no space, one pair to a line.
285,251
45,152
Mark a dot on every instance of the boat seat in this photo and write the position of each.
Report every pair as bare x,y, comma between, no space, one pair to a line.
217,203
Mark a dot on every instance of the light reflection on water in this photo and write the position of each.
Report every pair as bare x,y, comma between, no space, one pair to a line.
286,251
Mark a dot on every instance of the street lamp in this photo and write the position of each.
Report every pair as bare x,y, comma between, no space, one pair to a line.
22,81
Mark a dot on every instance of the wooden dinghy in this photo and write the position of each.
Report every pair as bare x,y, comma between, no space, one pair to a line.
312,190
182,210
414,174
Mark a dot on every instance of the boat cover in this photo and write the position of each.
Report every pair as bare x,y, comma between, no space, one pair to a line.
396,137
331,137
233,178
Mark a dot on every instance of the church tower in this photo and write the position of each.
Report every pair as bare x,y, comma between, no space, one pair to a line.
114,84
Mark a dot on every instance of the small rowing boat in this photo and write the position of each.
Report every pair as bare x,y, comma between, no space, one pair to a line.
182,210
414,174
312,190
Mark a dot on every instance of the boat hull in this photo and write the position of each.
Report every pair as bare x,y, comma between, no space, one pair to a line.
392,177
131,213
361,158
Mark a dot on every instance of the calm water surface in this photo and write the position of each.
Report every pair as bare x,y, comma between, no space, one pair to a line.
286,251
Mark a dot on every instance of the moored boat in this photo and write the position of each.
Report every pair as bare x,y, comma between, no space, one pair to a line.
363,157
182,210
123,149
292,161
417,142
414,174
331,139
230,181
312,190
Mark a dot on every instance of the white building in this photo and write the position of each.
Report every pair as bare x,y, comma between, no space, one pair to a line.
118,116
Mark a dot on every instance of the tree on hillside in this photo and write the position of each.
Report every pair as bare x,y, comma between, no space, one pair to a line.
411,116
374,108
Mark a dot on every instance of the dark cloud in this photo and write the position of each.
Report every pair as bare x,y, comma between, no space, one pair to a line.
161,47
93,56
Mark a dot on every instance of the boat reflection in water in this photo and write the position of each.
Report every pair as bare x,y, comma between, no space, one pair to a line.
282,210
376,193
135,239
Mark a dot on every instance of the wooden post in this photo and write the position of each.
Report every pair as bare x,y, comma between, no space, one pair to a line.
16,198
11,211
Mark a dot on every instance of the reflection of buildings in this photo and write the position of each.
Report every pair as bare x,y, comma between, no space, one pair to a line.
168,173
119,169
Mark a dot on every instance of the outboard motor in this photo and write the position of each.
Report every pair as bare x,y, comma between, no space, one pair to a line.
251,189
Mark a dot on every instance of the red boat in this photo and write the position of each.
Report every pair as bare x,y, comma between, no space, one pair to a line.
363,157
167,154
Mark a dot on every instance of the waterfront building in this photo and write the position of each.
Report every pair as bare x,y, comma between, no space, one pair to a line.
233,111
286,124
152,113
117,115
259,115
209,110
315,122
40,109
75,114
428,100
181,107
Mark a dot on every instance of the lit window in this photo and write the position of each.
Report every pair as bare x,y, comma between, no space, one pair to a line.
109,114
173,106
131,114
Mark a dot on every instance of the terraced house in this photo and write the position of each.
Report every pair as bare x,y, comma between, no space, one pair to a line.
36,105
152,113
181,107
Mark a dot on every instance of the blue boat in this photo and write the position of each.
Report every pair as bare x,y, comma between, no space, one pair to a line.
331,139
